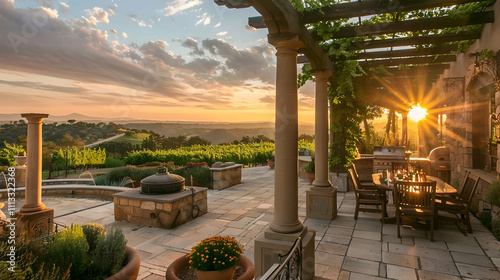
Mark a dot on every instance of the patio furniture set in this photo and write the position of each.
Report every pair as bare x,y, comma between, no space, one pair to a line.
414,195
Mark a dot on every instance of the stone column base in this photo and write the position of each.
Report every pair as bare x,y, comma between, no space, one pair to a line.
321,203
35,224
270,243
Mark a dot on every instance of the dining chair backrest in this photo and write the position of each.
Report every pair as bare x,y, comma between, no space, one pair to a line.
354,179
399,165
468,188
415,194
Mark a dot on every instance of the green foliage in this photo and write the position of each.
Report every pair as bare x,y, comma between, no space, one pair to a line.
495,229
493,193
118,149
109,253
7,154
241,153
310,167
115,176
74,158
92,233
215,254
201,176
485,218
112,162
69,250
306,145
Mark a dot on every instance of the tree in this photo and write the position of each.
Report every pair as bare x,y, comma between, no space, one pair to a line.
68,141
197,140
72,121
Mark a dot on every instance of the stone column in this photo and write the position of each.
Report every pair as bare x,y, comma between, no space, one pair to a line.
285,227
33,192
321,199
286,217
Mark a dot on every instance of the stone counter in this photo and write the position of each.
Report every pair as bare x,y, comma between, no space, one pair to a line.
225,177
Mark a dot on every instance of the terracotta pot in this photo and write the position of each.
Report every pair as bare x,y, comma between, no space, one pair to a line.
181,263
226,274
311,176
131,270
270,163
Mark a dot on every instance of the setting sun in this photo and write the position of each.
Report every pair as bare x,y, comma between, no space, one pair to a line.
417,113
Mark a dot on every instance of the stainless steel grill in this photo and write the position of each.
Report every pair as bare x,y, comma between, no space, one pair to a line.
384,156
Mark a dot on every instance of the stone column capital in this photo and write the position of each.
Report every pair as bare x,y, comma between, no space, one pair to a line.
292,45
34,117
322,75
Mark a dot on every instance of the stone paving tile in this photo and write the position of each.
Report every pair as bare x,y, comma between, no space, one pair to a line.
400,260
337,249
359,276
329,259
437,265
371,235
337,239
464,248
419,251
431,275
466,258
478,272
361,266
365,249
339,231
401,272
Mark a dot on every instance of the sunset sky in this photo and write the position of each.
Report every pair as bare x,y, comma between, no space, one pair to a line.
187,60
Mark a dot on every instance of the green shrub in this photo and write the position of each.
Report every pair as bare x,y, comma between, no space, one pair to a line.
493,193
485,218
495,229
112,162
109,253
92,233
201,176
310,167
69,250
115,176
152,163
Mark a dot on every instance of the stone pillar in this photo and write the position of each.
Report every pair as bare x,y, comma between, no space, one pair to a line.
285,226
33,193
34,218
321,199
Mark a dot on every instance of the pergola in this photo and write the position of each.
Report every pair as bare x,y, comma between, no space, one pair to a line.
410,71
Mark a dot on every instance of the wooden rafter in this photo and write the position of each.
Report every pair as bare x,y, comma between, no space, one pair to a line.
408,52
420,40
372,7
407,26
406,61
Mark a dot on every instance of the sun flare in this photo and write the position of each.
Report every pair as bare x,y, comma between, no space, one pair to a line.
417,113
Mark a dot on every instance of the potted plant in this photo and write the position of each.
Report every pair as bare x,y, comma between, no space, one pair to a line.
310,171
270,162
214,258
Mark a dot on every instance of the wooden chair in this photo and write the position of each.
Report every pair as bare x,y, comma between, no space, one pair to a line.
458,204
363,184
367,197
416,199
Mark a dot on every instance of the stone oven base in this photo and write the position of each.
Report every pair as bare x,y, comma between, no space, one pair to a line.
164,211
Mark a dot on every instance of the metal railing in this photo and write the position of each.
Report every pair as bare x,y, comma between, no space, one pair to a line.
290,267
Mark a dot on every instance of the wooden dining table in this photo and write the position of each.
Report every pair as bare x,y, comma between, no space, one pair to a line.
442,188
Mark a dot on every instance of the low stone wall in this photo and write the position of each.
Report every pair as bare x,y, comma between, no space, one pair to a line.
225,177
105,192
50,182
164,211
303,162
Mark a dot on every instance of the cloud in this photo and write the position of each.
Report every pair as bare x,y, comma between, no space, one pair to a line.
218,24
179,6
268,99
222,33
98,14
204,18
192,44
114,32
142,23
51,12
64,7
124,35
250,28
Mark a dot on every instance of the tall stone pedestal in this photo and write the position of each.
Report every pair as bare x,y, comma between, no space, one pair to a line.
35,224
340,181
20,176
321,203
270,243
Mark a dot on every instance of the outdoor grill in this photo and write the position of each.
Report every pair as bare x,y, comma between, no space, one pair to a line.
384,156
440,163
162,183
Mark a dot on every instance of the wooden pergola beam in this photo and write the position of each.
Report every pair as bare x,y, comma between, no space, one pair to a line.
411,41
407,52
406,61
372,7
407,26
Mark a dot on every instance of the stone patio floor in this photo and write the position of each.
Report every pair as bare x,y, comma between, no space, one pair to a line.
345,248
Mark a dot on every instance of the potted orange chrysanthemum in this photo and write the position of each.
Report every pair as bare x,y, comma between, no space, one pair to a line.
215,257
